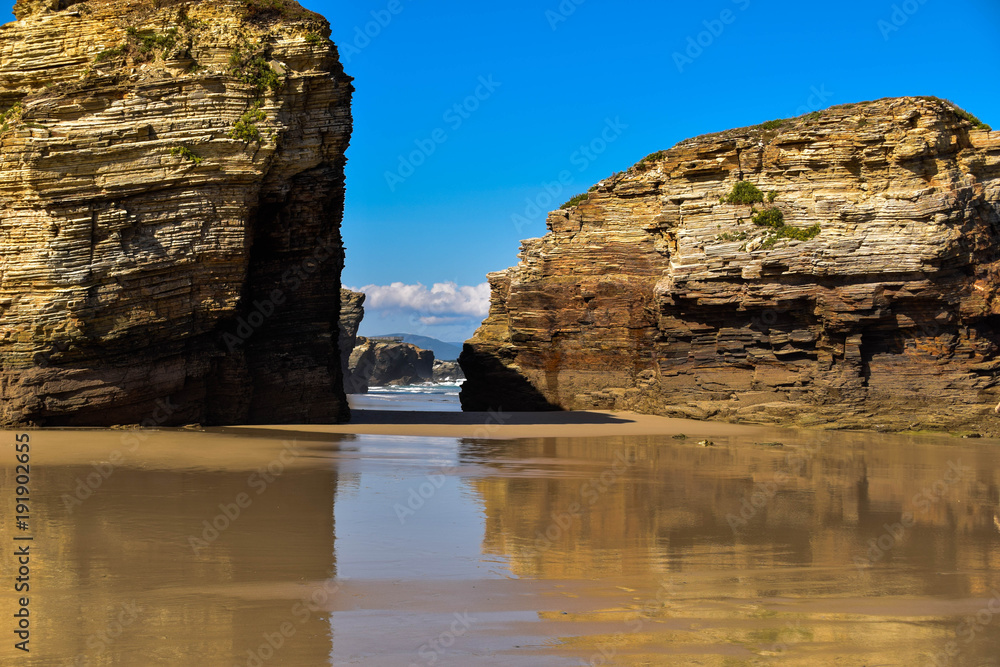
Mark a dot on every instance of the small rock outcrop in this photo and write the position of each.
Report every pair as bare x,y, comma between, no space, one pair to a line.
839,269
380,363
447,371
171,190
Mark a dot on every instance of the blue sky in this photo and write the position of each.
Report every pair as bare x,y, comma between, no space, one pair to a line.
537,80
561,72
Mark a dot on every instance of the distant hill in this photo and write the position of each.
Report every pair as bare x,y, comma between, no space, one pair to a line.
442,350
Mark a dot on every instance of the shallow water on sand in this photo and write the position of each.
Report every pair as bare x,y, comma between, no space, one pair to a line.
797,548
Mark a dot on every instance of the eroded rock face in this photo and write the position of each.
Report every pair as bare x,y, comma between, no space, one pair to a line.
653,295
171,190
352,311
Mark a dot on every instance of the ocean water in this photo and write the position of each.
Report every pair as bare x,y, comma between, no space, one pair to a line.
252,547
428,397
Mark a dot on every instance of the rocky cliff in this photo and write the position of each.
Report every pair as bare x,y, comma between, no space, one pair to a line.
352,311
171,189
379,363
837,269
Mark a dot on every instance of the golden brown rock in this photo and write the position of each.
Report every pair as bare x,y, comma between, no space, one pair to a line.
656,296
171,189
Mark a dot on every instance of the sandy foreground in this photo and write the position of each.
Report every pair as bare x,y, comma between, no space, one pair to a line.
420,538
515,425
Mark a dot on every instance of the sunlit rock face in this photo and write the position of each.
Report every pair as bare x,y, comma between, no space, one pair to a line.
655,295
171,191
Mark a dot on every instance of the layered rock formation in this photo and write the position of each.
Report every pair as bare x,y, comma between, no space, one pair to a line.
380,363
352,311
656,296
171,189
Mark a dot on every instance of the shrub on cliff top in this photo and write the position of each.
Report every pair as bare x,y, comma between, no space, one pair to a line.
646,163
744,192
963,114
575,201
264,11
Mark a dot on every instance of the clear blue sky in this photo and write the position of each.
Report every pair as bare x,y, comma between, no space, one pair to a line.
561,80
562,75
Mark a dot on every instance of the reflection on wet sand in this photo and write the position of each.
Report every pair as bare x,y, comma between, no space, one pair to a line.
754,547
820,549
175,562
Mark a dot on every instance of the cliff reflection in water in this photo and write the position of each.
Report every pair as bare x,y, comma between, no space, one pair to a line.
524,553
803,551
117,580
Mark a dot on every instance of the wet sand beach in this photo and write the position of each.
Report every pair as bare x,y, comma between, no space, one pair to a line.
432,538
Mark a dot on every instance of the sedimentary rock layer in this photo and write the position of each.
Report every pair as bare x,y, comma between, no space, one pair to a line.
171,189
656,296
352,311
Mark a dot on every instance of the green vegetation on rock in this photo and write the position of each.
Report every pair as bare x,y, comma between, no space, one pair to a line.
141,46
246,128
744,192
646,163
790,233
147,41
769,217
733,236
11,118
187,154
253,69
774,220
964,115
575,201
261,11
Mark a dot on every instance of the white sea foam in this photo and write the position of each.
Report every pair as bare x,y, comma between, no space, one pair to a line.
436,388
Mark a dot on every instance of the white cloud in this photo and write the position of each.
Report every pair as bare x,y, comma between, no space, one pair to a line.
442,303
434,320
